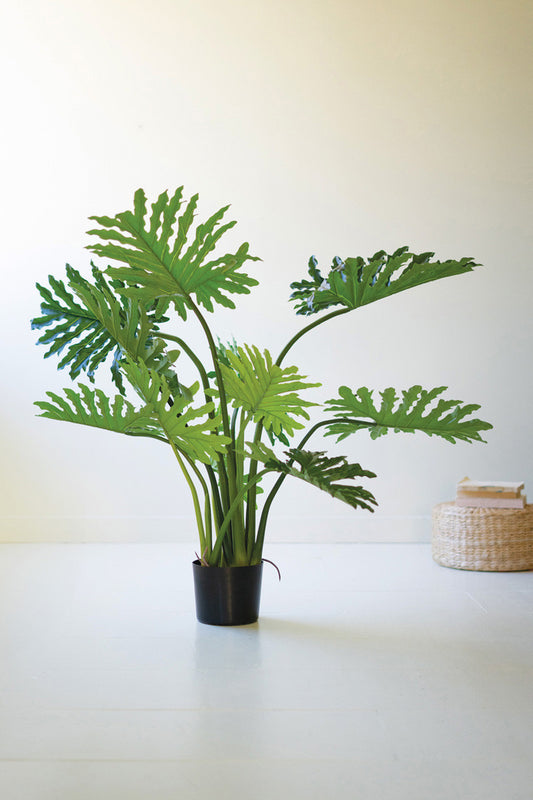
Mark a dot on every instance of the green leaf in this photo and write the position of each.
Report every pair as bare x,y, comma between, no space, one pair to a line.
93,408
321,471
162,262
415,409
267,391
101,325
355,282
129,325
70,325
200,440
126,322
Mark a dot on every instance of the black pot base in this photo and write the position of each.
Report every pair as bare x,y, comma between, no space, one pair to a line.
227,595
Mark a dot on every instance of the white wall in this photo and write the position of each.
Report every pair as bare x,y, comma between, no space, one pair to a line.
333,128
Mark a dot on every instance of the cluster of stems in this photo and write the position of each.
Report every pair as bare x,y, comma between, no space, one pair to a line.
229,532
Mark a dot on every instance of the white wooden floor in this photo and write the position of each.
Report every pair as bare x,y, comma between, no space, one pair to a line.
373,674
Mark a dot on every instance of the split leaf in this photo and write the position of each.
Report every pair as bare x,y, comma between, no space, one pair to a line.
355,282
267,391
414,409
93,408
193,431
321,471
92,323
165,262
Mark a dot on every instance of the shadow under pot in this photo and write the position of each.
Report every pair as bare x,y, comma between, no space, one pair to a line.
227,595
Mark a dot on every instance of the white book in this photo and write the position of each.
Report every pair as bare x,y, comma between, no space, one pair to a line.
467,485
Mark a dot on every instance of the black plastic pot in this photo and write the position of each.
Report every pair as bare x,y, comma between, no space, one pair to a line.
227,595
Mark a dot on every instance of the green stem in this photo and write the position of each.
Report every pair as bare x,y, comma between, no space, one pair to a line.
238,438
196,502
192,355
258,547
216,365
205,383
215,491
249,524
207,506
237,522
240,556
308,328
252,495
234,418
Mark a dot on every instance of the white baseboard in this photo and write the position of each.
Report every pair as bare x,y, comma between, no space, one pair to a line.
330,529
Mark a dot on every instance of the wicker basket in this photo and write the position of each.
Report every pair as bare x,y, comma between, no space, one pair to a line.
491,539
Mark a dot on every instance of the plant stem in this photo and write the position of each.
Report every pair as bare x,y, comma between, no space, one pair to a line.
216,365
258,547
205,383
258,544
207,506
241,555
237,521
192,355
215,490
250,512
196,502
308,328
252,496
249,524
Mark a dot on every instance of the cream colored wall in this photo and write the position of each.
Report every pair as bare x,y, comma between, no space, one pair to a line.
332,128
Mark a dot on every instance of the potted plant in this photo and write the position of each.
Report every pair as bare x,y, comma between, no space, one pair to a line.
227,428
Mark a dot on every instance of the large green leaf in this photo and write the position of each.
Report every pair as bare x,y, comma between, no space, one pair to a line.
355,282
321,471
413,410
93,408
173,423
193,431
164,263
130,326
70,325
269,392
101,325
126,322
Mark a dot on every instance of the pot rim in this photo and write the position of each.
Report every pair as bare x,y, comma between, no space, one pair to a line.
197,563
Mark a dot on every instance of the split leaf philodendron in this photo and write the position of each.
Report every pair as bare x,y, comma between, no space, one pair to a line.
121,316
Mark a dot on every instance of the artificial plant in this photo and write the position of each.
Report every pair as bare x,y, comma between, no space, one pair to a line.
165,270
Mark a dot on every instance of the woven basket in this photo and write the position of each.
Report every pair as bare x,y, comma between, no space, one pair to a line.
491,539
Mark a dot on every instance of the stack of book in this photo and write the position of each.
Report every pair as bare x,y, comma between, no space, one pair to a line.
490,494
